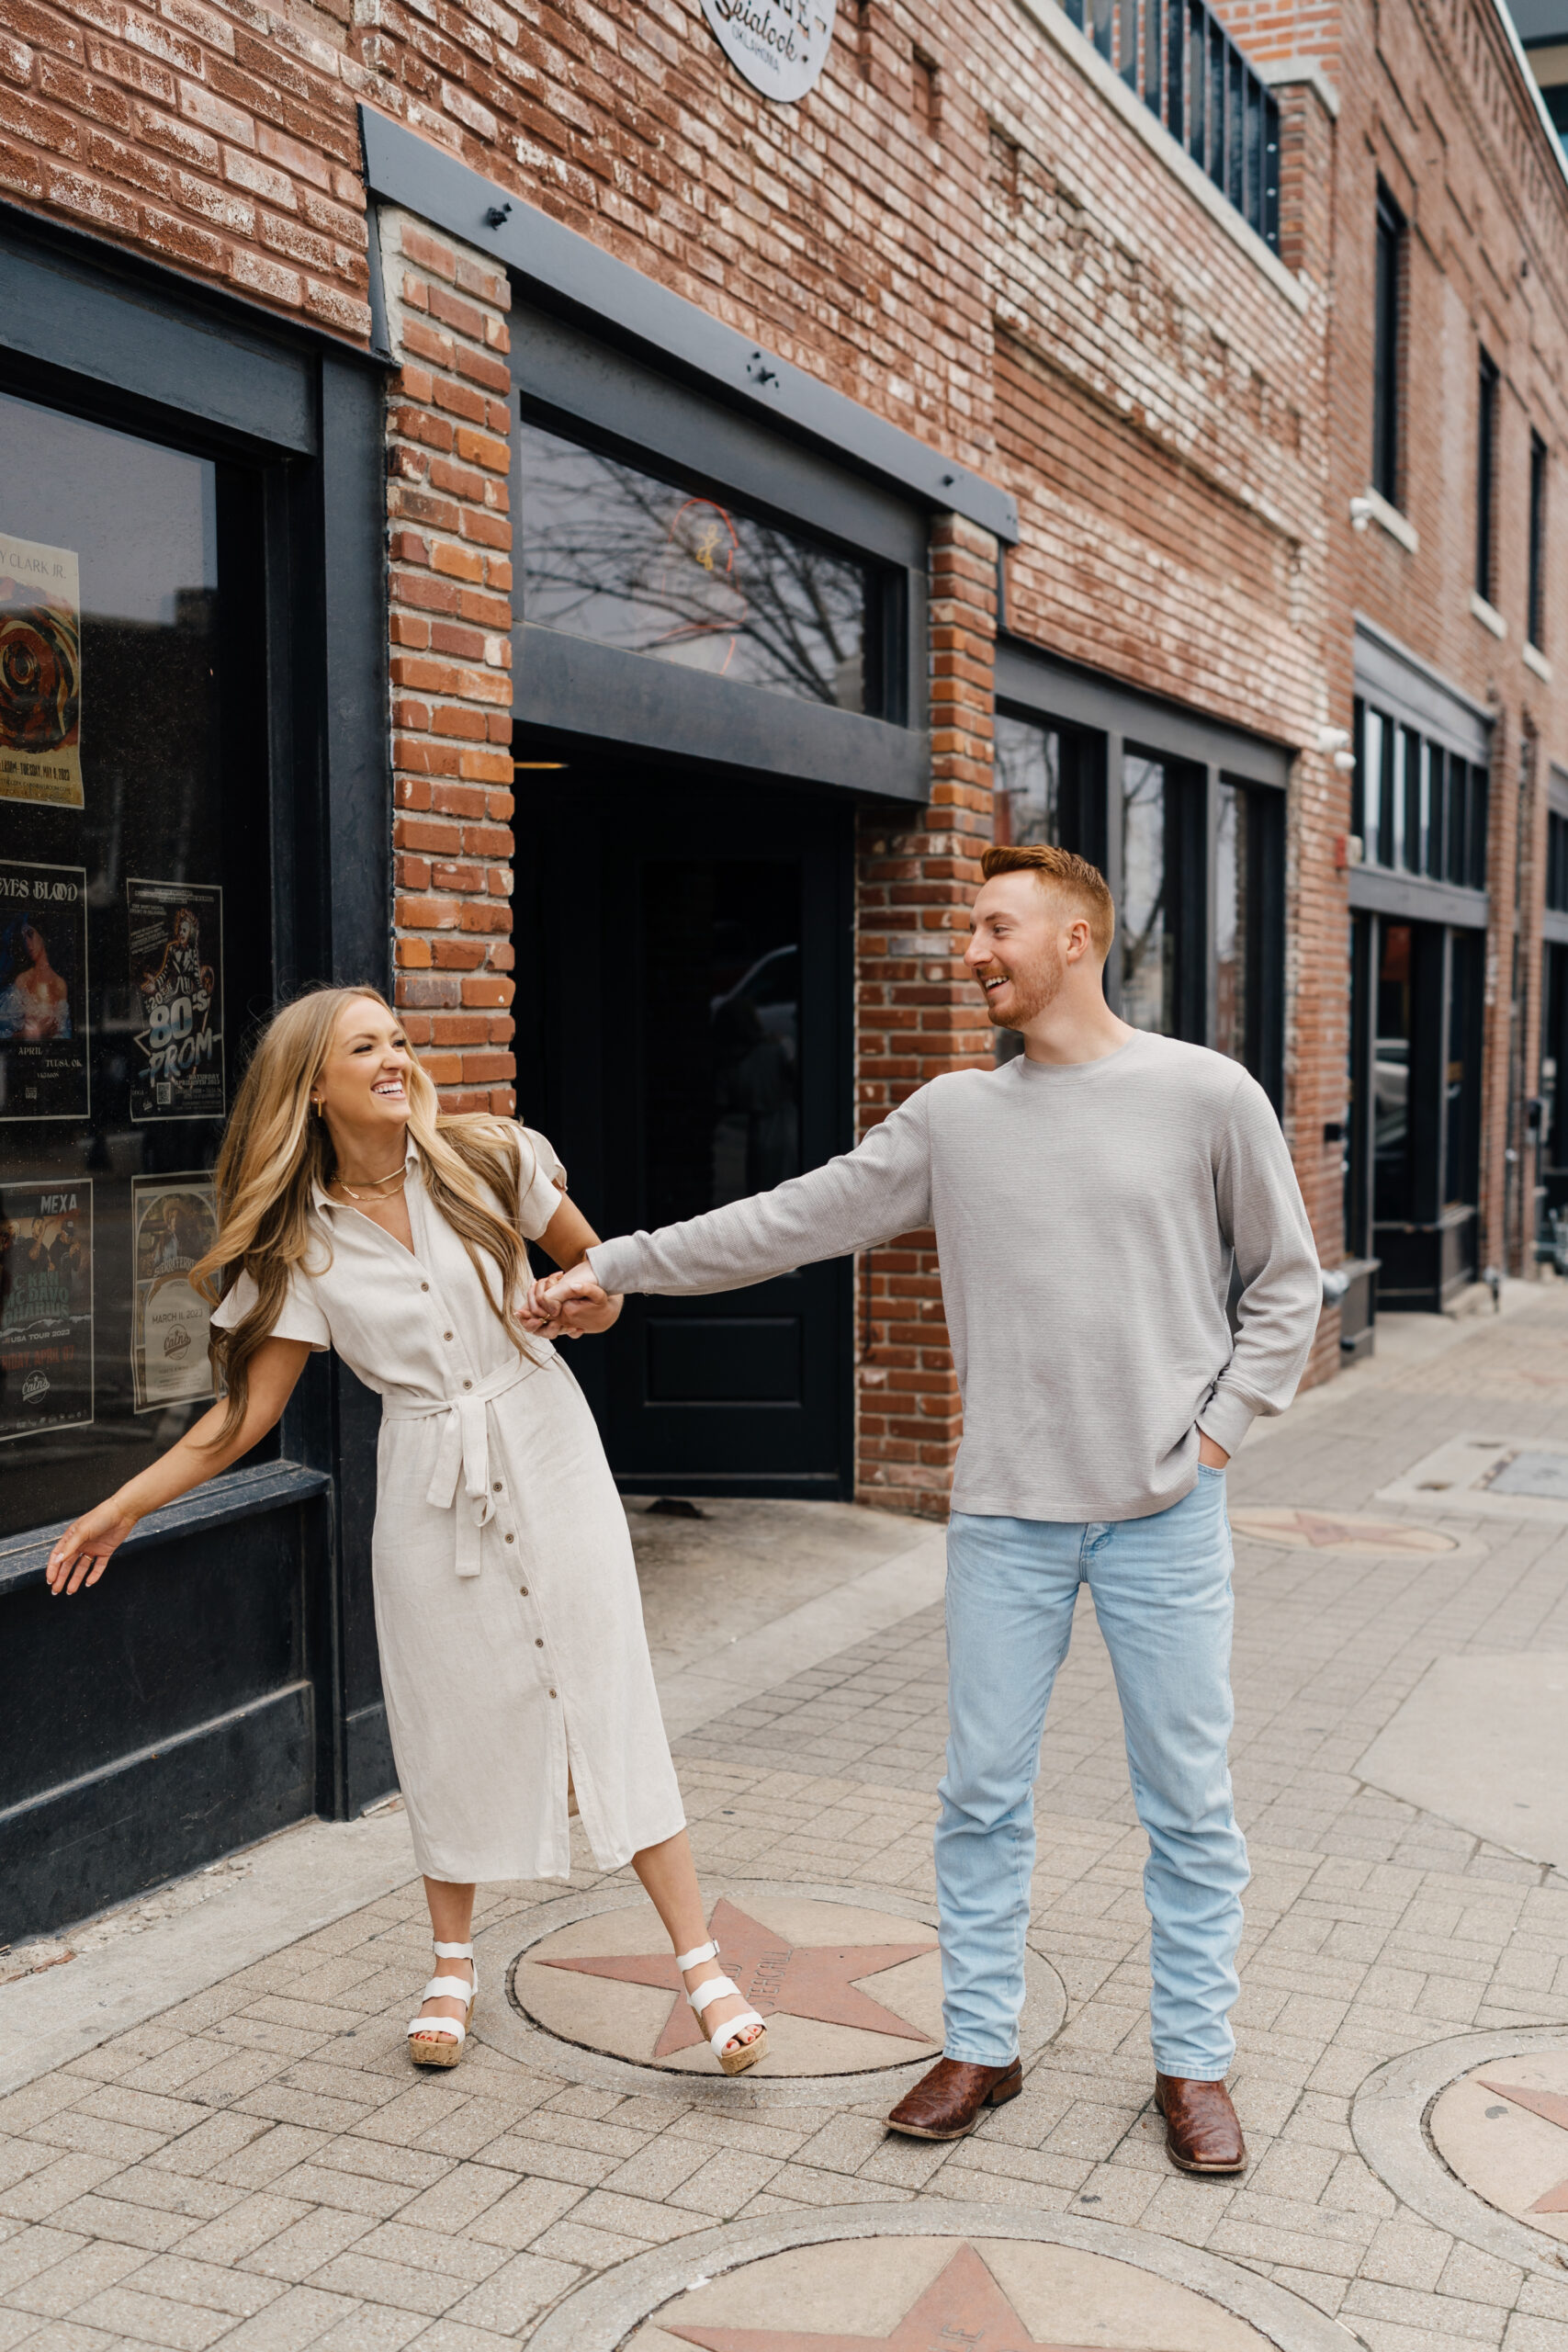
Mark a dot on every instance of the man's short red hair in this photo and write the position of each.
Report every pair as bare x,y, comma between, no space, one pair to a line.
1084,883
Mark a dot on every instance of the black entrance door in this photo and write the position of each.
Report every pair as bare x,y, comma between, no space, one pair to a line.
691,980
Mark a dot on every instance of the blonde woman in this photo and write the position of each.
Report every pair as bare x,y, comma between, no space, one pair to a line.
353,1216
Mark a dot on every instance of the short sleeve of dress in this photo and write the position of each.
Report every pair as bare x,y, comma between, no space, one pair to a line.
538,1194
300,1319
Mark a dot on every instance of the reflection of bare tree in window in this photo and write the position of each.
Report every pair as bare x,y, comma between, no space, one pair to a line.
1146,944
611,554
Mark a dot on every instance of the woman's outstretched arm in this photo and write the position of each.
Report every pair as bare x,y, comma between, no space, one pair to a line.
83,1552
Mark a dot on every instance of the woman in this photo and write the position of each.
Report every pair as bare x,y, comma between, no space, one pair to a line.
352,1215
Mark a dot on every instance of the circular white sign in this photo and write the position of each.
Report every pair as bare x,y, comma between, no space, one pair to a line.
781,46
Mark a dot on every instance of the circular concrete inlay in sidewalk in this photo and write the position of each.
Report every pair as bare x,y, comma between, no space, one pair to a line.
1473,2134
933,2274
1338,1531
848,1981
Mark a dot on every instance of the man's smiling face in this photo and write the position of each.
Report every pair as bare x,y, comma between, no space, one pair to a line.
1020,931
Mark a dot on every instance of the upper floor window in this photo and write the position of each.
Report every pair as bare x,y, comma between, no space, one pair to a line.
1419,808
1178,58
1536,627
612,553
1386,347
1485,474
1049,785
1557,863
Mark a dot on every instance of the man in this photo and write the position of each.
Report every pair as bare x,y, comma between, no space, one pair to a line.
1087,1198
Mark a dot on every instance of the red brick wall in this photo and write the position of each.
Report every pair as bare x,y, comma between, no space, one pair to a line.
451,581
919,1013
221,140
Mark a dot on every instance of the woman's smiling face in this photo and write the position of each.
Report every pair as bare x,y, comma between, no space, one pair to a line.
363,1085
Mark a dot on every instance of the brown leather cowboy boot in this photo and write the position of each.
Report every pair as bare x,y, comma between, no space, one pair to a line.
1202,2131
946,2103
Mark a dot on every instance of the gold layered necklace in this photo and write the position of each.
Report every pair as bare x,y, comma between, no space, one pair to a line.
375,1186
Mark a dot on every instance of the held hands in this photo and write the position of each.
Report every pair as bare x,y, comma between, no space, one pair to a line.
565,1305
83,1552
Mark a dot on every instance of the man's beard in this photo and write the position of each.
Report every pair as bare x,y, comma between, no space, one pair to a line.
1033,992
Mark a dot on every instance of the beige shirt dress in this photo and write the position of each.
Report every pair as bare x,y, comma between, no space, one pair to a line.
507,1607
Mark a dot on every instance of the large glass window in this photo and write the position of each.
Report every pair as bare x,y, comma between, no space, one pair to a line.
135,934
1249,929
1049,785
615,554
1163,895
1390,1077
1418,807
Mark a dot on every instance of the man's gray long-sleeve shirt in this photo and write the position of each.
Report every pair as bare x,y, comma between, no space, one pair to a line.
1086,1218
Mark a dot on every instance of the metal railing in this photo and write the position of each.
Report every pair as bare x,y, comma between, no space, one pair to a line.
1178,57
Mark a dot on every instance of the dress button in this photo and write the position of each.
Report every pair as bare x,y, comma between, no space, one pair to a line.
552,1694
446,1335
539,1642
424,1285
468,1384
512,1539
495,1487
524,1590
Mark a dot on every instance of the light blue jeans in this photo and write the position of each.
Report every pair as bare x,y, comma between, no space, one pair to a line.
1161,1589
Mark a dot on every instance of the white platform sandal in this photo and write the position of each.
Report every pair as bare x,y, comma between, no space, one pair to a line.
452,2032
745,2054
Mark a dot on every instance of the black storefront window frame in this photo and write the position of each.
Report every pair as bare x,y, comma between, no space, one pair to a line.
570,381
1200,755
123,343
1435,881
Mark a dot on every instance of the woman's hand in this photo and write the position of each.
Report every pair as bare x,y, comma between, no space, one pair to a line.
83,1552
565,1305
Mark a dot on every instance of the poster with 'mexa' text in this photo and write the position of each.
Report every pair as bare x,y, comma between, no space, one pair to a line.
177,985
45,1306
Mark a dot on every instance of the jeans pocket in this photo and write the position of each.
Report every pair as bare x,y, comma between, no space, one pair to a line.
1210,1470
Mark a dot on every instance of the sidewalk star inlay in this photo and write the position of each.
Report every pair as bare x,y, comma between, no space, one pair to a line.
778,1978
959,2288
1503,2130
1319,1531
963,2307
844,1988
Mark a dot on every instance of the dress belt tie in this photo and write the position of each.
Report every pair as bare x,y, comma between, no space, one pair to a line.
465,1440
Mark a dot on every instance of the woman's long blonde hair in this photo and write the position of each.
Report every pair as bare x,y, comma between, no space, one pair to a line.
276,1149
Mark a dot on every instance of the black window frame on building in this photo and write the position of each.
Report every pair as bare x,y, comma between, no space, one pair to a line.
1419,910
1552,1172
157,1728
1191,763
1388,388
1535,598
1487,381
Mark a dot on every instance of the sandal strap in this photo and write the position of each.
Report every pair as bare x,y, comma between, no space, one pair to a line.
449,1988
454,1951
445,2029
722,2036
714,1990
684,1960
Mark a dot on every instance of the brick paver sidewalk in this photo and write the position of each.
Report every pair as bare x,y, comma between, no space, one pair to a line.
257,2168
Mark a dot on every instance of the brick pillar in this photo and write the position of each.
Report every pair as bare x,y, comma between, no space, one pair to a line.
919,1014
450,595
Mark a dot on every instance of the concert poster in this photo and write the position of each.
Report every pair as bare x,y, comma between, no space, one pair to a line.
45,1306
43,990
177,985
175,1222
41,675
